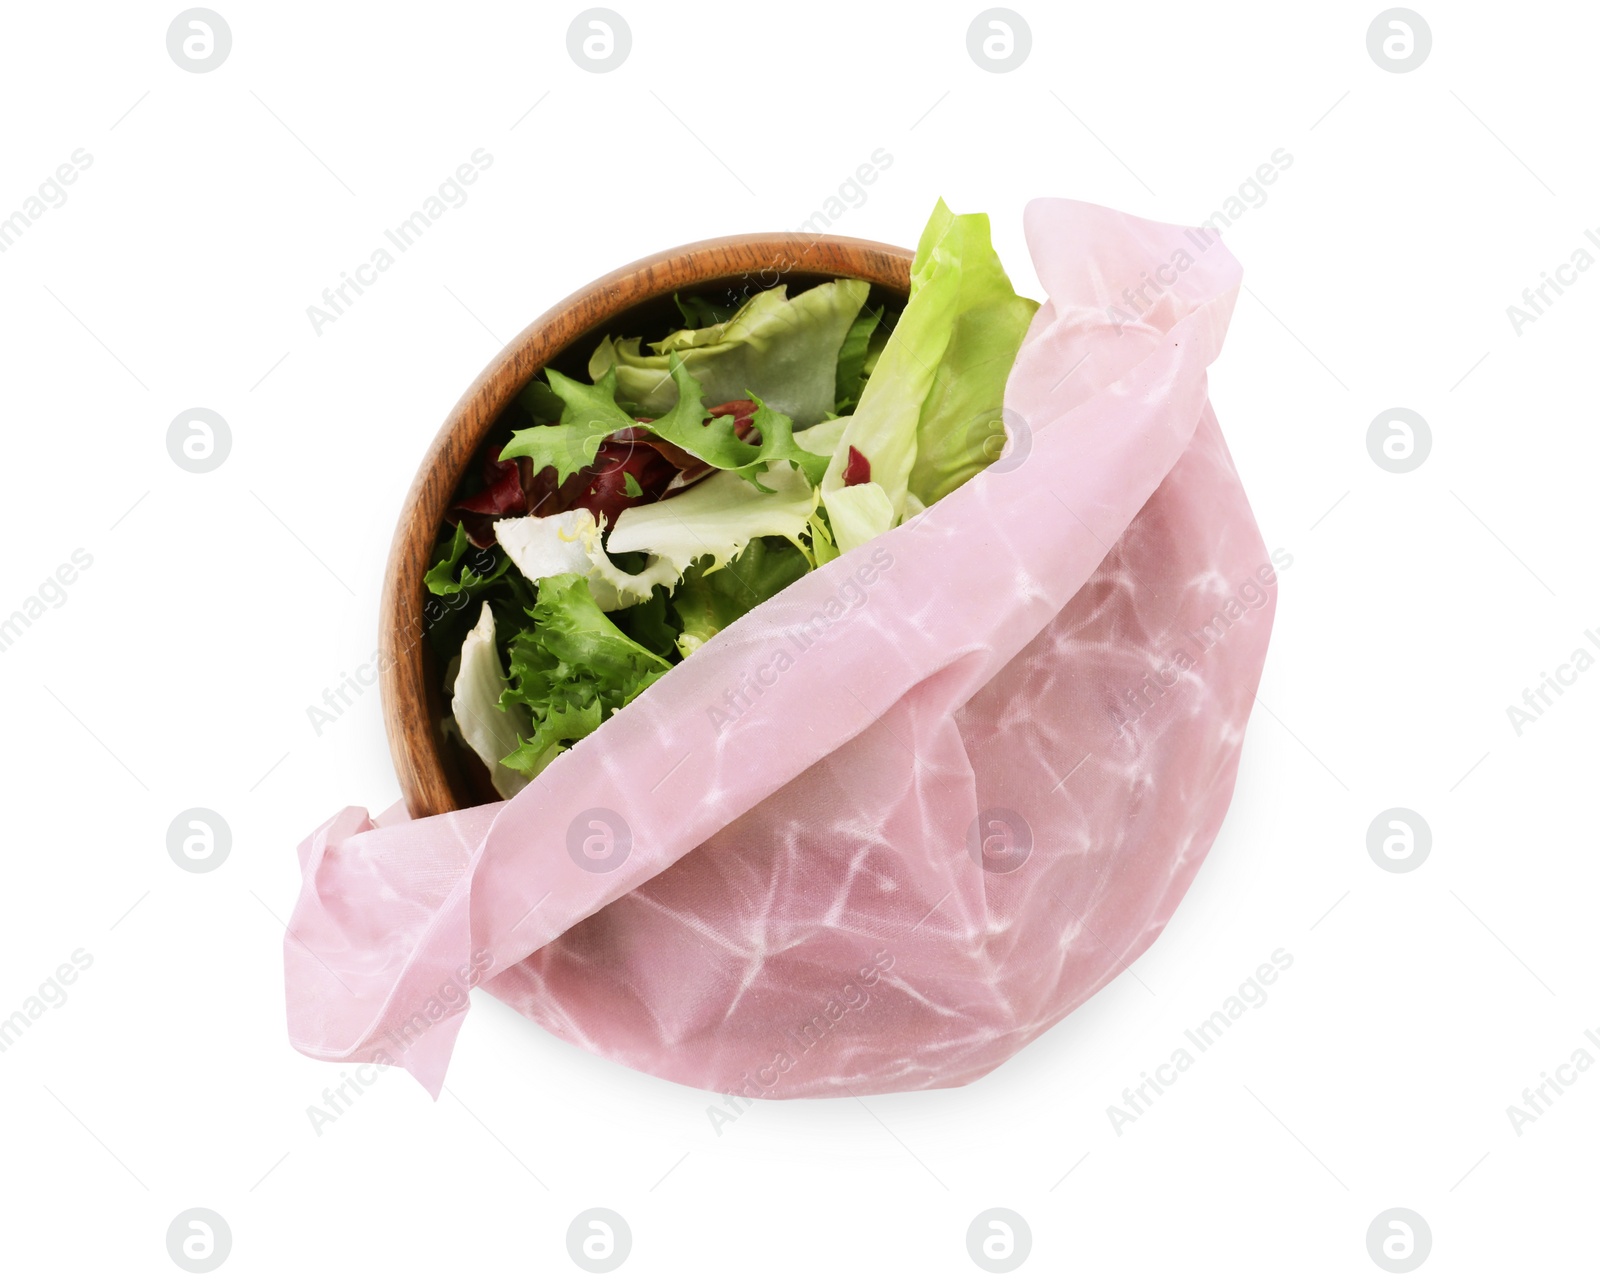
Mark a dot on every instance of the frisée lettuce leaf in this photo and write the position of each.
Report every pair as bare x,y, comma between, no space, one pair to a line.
715,441
568,672
589,414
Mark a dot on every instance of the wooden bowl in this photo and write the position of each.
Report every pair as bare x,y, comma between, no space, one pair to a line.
436,774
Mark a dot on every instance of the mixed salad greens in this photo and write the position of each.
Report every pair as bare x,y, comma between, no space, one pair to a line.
614,526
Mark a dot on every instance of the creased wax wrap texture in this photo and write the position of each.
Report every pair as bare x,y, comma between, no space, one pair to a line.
1074,638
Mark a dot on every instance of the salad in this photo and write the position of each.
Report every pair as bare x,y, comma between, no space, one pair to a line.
610,528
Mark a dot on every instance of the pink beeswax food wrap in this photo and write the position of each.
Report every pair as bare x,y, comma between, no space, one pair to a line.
896,822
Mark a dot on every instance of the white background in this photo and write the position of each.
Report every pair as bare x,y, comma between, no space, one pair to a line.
178,670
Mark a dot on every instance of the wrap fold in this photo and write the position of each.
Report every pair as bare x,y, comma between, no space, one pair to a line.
901,818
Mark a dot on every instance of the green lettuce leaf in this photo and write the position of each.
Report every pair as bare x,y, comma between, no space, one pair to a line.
652,623
851,375
960,431
573,668
823,438
787,349
539,399
923,418
718,517
699,311
860,512
461,579
461,567
719,445
589,414
707,601
823,549
559,729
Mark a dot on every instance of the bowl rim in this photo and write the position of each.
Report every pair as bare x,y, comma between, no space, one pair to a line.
430,781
